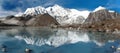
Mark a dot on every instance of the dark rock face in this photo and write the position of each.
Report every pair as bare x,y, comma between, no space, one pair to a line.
101,15
42,20
7,25
10,17
24,18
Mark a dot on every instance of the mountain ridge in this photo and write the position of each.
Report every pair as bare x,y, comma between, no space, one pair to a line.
59,13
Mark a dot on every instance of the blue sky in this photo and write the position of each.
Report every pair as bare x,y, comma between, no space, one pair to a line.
20,5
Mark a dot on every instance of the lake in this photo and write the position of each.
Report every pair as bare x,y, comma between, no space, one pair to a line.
46,40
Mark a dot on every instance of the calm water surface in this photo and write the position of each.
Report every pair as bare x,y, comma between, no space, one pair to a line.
45,40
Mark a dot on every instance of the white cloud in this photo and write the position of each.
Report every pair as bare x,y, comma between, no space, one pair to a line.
52,2
4,13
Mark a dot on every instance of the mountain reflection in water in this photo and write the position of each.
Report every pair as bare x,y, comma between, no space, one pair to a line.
45,40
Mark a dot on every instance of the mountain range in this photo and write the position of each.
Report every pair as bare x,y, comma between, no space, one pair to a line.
66,16
62,15
58,15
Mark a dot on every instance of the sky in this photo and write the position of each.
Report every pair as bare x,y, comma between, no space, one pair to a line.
8,7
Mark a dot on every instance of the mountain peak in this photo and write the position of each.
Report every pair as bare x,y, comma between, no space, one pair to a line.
35,11
56,5
99,8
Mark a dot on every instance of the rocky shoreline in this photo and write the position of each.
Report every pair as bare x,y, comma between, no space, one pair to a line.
92,28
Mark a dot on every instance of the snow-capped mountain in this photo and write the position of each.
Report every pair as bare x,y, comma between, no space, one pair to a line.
35,11
102,8
62,15
99,8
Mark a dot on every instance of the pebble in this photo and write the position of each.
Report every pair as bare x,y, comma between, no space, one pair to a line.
3,48
113,46
28,50
118,49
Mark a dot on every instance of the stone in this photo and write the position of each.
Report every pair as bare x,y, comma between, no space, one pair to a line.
28,50
118,49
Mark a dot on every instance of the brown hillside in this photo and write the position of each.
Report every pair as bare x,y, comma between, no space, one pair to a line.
42,20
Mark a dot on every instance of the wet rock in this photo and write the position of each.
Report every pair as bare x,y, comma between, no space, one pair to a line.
100,30
118,49
107,30
116,31
78,28
54,26
4,48
70,28
28,50
112,46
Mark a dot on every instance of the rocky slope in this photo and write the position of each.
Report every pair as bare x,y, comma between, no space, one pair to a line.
101,15
38,20
9,21
42,20
103,20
